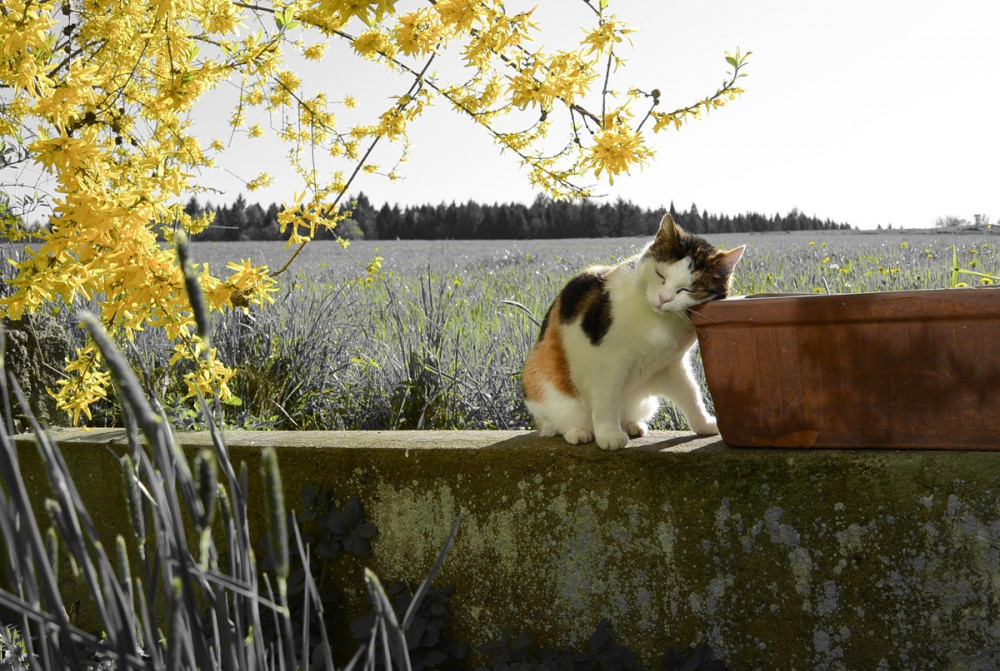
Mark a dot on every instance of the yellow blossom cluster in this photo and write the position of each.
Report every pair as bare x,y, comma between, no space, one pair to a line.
101,95
616,149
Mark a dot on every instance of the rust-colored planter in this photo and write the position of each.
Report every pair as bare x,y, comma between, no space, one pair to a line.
906,369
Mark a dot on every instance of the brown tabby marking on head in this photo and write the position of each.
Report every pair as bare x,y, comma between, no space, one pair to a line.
549,365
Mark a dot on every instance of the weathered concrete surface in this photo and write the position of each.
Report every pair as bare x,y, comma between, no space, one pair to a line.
779,559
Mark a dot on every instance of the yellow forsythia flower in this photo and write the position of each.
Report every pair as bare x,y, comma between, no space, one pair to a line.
617,150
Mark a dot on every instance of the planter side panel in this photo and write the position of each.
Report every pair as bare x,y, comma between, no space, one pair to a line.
910,380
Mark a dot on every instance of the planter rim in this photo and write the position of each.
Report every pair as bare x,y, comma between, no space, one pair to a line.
912,305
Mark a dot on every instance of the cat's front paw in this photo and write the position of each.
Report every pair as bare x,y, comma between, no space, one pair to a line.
613,441
705,427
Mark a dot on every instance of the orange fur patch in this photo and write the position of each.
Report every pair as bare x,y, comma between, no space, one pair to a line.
547,363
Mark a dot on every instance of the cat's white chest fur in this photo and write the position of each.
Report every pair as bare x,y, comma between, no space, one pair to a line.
640,343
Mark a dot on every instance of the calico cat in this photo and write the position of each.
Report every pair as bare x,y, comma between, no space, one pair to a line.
617,338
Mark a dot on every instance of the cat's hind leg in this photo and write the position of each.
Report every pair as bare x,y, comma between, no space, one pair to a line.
635,429
559,414
636,415
573,436
546,430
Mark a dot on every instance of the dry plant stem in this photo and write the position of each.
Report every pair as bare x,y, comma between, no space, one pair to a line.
208,620
29,535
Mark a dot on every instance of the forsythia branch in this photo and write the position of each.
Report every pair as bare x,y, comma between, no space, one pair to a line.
99,96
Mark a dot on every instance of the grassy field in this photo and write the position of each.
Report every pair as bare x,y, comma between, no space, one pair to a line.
437,339
807,261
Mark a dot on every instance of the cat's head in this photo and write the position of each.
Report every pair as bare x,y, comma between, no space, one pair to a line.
678,271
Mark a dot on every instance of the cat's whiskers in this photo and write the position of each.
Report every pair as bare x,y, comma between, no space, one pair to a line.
700,314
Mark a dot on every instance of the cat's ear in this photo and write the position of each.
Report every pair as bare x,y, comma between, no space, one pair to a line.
668,230
727,261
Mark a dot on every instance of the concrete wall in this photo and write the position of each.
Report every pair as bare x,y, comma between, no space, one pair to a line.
778,559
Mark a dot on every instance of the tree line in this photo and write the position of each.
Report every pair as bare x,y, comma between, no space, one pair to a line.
544,218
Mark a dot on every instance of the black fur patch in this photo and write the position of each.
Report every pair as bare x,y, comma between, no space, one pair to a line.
585,297
545,322
597,319
578,292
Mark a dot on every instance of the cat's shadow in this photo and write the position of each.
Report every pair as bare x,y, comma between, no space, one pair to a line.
675,442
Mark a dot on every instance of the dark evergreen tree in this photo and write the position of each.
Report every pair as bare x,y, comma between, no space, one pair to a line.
193,207
363,213
544,218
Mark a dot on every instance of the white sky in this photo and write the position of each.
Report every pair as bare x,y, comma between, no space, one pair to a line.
865,112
